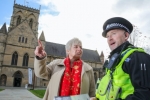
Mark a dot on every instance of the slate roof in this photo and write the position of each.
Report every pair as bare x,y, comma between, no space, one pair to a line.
55,49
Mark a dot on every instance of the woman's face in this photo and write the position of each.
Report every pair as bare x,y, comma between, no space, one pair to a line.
75,52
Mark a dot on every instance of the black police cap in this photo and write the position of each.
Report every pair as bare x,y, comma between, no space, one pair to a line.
117,23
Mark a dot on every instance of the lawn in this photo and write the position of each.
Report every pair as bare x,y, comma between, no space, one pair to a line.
1,89
38,93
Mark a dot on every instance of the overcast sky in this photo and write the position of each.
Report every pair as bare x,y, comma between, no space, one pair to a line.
62,20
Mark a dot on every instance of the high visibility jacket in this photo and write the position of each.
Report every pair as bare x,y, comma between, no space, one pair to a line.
97,84
116,84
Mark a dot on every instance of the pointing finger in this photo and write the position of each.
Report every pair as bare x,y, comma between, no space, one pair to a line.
40,43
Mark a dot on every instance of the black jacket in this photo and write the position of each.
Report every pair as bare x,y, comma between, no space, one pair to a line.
137,66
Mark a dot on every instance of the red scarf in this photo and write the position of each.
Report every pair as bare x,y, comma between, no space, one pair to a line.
71,80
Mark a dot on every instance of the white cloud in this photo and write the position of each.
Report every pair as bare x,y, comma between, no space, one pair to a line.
79,18
62,20
137,12
84,19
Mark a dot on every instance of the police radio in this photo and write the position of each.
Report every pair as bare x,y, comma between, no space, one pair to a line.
113,61
115,58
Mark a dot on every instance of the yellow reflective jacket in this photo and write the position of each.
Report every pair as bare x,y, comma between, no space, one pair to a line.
119,85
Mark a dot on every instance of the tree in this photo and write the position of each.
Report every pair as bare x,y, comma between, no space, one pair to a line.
139,40
135,36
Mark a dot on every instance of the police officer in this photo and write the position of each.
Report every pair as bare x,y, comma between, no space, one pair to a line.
128,70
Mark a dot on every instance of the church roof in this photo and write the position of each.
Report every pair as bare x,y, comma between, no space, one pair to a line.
4,29
55,49
90,55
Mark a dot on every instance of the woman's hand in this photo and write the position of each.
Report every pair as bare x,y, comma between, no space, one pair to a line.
93,98
39,51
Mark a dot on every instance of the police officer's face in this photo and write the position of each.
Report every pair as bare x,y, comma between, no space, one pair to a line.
116,37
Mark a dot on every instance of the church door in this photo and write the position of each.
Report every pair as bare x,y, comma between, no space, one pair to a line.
17,79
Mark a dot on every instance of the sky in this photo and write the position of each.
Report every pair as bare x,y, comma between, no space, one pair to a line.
62,20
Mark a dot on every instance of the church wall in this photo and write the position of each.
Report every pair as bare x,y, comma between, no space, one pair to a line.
3,38
99,65
21,51
1,57
38,82
20,61
26,13
93,64
31,63
22,31
9,72
9,81
7,59
2,46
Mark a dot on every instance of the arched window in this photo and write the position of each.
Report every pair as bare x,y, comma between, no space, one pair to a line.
22,39
18,20
26,40
25,60
31,23
19,39
14,58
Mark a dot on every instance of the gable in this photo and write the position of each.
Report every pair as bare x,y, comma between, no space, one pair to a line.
20,33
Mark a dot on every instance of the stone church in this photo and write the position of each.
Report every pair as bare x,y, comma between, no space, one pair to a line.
17,45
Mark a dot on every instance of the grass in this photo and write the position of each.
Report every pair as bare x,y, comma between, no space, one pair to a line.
1,89
38,93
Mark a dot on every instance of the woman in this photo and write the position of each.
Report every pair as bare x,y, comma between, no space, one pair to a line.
69,76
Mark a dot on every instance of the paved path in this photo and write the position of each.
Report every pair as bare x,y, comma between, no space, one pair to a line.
17,94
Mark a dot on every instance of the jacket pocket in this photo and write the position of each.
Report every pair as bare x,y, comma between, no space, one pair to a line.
114,92
104,85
